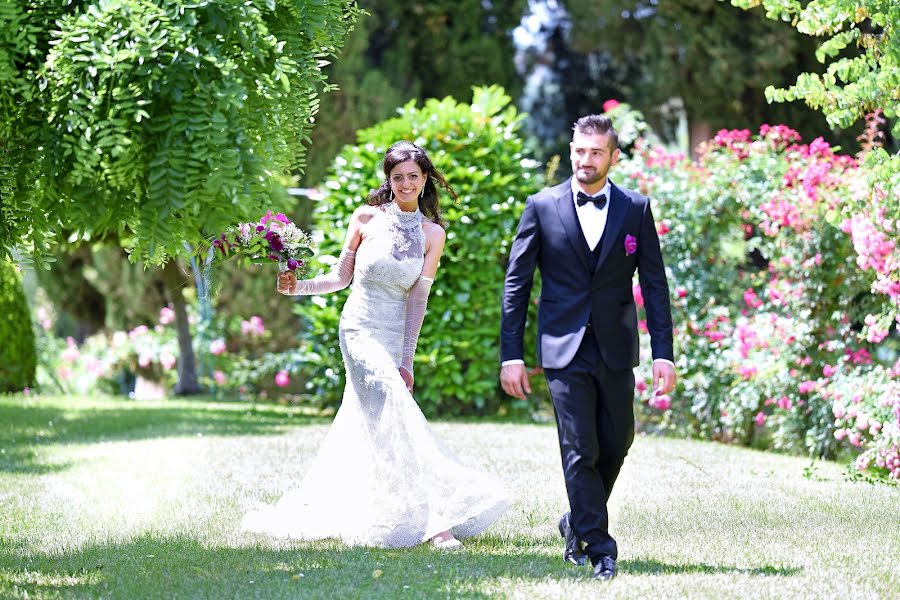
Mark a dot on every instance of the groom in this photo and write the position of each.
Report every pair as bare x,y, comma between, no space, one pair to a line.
588,237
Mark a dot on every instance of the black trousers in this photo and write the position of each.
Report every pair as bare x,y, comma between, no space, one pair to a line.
595,422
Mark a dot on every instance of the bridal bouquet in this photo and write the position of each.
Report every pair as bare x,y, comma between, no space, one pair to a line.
274,238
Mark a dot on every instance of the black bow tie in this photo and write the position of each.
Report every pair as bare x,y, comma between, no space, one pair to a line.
599,201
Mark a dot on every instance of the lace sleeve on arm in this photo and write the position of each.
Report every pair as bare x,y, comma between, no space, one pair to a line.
415,315
336,279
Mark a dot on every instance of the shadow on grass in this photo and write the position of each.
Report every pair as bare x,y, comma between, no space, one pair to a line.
181,568
26,428
654,567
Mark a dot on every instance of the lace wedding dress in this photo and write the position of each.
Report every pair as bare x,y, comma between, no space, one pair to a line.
381,478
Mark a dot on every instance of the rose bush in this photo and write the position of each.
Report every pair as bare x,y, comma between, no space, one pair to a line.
786,286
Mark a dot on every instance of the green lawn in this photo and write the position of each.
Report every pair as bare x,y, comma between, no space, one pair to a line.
117,499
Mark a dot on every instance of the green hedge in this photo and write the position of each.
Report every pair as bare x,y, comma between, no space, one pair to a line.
17,352
479,149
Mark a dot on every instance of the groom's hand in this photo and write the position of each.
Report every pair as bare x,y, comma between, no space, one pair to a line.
663,377
514,380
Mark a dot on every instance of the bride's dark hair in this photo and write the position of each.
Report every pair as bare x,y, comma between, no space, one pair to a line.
403,151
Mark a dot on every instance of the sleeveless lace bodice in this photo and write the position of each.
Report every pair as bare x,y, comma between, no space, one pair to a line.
381,478
390,257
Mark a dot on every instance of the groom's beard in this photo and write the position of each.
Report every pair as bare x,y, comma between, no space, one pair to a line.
588,176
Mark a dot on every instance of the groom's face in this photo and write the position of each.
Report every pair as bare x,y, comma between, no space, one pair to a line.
592,155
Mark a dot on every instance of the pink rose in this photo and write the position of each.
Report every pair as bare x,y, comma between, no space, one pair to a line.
217,347
282,379
760,418
166,315
167,360
638,296
662,403
610,105
219,377
630,245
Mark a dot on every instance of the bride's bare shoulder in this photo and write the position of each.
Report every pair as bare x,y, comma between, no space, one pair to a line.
363,214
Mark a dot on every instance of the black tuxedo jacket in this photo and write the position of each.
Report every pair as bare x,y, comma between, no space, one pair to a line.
549,237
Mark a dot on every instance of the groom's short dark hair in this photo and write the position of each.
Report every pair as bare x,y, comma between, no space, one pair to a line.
597,125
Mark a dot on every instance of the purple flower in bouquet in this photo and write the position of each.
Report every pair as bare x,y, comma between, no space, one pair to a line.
630,245
273,239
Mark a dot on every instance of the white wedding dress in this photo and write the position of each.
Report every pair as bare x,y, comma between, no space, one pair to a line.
381,478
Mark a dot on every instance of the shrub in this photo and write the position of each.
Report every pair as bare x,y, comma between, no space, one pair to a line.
18,357
479,149
785,278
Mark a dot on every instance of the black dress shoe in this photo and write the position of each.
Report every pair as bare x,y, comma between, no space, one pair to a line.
605,569
573,552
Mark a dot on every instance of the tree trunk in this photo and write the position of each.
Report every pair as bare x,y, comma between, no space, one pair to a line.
175,280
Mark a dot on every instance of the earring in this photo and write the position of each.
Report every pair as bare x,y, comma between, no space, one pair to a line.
422,193
392,196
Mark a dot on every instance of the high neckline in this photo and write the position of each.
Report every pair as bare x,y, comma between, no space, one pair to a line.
403,216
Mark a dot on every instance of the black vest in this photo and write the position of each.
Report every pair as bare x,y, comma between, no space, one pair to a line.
595,253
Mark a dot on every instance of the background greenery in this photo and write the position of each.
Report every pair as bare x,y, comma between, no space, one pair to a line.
17,351
480,150
154,123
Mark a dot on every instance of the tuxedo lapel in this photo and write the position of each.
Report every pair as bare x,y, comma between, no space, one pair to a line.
618,208
565,204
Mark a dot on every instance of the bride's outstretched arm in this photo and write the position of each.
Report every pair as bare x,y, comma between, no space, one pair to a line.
336,279
340,275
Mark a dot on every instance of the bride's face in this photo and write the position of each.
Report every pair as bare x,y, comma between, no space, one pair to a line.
407,181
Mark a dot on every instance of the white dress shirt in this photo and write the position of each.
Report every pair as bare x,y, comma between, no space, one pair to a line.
591,218
593,223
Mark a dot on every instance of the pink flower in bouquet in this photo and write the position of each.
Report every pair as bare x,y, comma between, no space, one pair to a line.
828,370
610,105
280,217
219,377
282,378
630,245
273,238
760,418
681,291
217,347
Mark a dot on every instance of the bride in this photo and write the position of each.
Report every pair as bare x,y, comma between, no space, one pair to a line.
381,478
